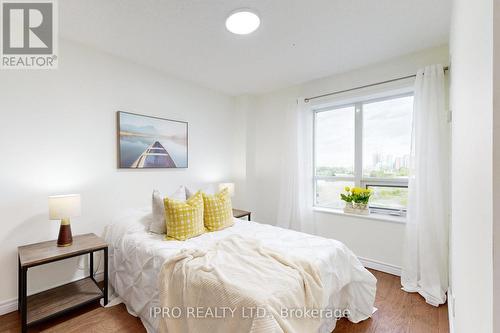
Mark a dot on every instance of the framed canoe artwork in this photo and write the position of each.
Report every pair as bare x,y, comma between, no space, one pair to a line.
146,142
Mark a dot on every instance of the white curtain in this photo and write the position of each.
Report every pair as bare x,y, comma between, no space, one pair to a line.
296,195
425,266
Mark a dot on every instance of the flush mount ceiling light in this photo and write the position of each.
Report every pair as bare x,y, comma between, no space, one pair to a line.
242,22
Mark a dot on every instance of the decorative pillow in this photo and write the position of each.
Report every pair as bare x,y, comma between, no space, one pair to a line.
208,189
218,210
158,223
184,219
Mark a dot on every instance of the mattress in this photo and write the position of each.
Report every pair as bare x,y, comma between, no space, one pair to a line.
136,257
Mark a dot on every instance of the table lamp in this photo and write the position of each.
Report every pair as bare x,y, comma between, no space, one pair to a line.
229,186
62,207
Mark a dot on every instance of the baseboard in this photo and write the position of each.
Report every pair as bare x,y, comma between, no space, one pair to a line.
380,266
11,304
451,310
8,306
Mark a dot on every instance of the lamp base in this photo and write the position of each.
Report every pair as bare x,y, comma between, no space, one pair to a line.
65,238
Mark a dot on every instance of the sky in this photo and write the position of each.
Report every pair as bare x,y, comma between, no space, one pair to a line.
386,130
335,137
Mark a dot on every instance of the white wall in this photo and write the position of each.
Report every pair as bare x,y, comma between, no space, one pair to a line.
376,240
471,49
496,165
58,135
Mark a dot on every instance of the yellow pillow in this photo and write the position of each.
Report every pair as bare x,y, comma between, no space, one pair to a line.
218,210
184,218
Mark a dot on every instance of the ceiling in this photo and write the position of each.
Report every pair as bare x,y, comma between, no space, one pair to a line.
298,40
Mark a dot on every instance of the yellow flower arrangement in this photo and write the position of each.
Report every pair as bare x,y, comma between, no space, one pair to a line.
356,194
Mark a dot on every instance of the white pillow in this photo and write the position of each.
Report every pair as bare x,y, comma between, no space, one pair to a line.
209,189
158,223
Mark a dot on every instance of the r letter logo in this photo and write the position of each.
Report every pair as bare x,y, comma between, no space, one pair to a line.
28,34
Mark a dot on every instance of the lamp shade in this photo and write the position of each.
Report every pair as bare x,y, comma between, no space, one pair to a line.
64,206
229,186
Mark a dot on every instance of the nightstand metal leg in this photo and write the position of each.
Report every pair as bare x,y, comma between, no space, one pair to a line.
24,305
105,276
19,284
91,265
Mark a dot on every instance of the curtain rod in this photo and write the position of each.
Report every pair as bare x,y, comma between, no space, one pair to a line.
306,100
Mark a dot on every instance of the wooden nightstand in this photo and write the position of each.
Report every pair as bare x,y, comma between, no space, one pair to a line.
53,302
241,213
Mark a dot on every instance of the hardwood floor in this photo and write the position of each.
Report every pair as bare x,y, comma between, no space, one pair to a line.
92,318
398,312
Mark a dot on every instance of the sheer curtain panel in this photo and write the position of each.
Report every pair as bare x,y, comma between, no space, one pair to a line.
425,266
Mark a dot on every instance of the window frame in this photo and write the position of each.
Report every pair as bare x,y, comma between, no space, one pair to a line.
358,179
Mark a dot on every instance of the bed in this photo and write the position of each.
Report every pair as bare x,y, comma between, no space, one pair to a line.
136,257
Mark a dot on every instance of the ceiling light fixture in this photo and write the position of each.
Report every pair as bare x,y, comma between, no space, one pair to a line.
242,22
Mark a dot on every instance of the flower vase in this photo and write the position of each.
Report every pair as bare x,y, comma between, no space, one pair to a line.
349,208
361,208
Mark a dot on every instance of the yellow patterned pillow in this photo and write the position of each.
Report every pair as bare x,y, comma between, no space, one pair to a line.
218,210
184,218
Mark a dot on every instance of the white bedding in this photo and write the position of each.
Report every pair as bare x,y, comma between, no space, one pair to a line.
137,256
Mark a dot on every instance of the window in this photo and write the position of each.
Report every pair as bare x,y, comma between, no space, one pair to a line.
364,144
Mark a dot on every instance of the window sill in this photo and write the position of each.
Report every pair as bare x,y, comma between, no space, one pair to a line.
374,216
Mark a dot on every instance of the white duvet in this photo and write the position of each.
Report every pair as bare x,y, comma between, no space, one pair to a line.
136,258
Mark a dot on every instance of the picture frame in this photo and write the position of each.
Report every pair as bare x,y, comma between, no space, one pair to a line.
149,142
